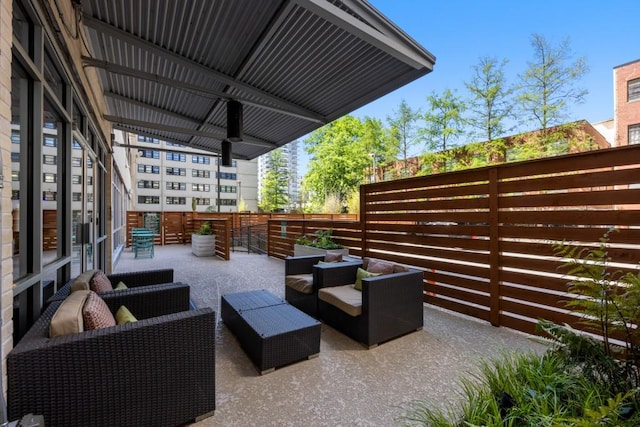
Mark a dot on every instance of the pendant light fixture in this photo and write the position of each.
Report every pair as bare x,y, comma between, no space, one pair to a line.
234,130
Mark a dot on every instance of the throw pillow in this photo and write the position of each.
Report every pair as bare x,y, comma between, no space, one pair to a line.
333,256
123,315
68,317
96,313
363,274
377,266
121,285
100,283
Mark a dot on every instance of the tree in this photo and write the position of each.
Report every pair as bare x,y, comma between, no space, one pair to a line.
379,143
490,104
404,132
444,122
339,156
550,83
274,194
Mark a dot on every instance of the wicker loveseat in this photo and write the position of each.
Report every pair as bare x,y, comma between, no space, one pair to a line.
300,290
158,371
130,279
388,306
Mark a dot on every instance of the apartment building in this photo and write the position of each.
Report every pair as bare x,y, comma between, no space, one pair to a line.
626,103
290,152
170,177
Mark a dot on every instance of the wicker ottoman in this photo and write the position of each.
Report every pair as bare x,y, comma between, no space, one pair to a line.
271,332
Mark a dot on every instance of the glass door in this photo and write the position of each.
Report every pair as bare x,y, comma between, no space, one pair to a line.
82,217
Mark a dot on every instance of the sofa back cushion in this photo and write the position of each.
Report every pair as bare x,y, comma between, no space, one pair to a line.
68,317
82,282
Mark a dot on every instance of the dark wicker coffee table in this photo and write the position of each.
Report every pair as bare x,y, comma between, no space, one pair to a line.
271,332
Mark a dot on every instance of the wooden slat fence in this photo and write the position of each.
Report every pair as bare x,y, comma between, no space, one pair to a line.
484,237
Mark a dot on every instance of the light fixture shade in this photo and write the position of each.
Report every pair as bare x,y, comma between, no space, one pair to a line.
226,152
234,121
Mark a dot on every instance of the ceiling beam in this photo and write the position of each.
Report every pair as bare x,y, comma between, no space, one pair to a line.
182,130
117,33
371,35
203,91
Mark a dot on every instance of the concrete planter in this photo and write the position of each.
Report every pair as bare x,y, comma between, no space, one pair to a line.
301,250
203,245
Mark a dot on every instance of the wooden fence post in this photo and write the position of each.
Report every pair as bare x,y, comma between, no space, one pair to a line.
494,249
363,221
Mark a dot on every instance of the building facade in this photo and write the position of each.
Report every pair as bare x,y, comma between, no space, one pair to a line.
626,101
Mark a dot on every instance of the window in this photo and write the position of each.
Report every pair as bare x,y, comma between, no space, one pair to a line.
176,186
226,175
76,179
149,200
48,159
233,163
49,196
199,173
149,184
173,144
200,187
76,197
15,157
203,160
634,134
50,141
76,145
89,162
89,180
149,154
15,138
227,202
76,162
203,201
15,175
15,194
178,157
142,138
176,200
633,90
227,189
148,169
177,171
49,177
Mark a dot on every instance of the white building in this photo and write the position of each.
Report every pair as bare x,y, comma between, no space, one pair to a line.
168,177
290,152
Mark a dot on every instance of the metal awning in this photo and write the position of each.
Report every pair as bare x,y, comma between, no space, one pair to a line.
168,67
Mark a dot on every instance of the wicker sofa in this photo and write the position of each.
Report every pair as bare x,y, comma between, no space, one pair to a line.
158,371
389,305
131,279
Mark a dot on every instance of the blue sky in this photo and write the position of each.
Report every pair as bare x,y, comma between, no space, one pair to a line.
459,32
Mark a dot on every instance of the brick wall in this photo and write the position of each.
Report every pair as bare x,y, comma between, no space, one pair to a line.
626,113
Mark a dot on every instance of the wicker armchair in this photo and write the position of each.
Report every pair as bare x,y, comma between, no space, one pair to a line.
131,279
299,289
388,306
159,371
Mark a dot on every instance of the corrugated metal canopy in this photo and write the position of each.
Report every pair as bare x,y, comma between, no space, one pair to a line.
167,67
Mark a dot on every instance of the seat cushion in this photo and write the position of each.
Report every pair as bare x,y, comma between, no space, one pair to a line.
345,297
68,317
300,282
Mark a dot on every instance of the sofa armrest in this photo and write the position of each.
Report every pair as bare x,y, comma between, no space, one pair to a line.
142,278
335,274
160,370
301,264
150,301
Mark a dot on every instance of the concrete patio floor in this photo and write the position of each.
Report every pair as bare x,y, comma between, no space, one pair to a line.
346,385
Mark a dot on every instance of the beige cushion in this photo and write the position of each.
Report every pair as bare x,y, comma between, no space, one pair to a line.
81,283
377,266
96,313
300,282
100,283
68,317
345,297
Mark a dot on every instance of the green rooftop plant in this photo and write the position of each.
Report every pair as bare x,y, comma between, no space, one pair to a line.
205,229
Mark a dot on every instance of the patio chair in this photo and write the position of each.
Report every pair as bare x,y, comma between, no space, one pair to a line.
299,283
158,371
388,306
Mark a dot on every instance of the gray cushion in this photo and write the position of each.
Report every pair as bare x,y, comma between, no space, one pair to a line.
300,282
345,297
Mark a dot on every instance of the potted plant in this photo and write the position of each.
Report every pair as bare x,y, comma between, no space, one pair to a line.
320,244
203,241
